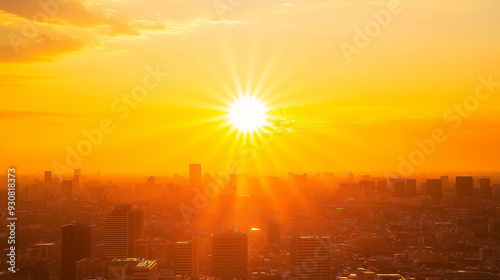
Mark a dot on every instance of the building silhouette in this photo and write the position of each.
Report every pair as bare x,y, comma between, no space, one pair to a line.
464,187
274,233
229,256
77,243
434,188
124,226
310,257
187,258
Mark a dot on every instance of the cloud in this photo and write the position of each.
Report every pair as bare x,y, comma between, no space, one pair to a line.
69,12
39,48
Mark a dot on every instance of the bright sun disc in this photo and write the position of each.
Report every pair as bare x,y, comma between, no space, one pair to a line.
248,114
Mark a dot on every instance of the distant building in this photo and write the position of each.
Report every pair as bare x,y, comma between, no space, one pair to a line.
144,249
48,178
124,226
229,256
485,188
310,257
67,189
398,187
434,188
273,233
411,187
187,258
77,243
464,187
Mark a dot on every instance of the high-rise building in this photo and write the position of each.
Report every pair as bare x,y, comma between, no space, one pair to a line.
76,180
67,189
434,188
48,178
274,233
446,182
367,186
144,249
187,258
195,175
77,243
229,256
310,257
485,187
398,187
381,186
411,187
124,226
464,187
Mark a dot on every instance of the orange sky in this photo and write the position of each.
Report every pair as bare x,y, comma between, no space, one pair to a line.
63,66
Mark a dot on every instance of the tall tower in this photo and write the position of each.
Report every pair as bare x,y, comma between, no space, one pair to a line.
67,189
310,257
273,233
434,187
195,175
76,180
124,226
485,187
187,258
464,188
411,187
77,243
229,256
48,178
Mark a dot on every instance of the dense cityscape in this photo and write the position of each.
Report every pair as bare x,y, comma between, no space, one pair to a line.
301,226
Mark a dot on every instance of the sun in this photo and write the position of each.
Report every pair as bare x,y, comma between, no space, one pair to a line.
248,114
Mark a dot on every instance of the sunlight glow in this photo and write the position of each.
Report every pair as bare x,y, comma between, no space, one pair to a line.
248,114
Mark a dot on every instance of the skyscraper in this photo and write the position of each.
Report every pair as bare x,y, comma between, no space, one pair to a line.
273,233
195,175
77,243
76,180
67,189
485,187
229,256
124,226
434,187
398,187
48,178
464,187
310,257
187,258
411,187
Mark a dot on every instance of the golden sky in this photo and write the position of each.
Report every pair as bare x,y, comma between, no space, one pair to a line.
64,64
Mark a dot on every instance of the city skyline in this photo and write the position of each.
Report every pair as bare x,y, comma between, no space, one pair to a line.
137,88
